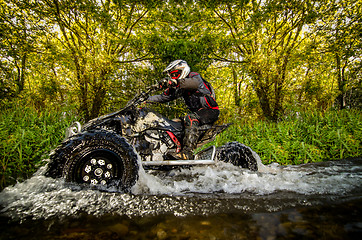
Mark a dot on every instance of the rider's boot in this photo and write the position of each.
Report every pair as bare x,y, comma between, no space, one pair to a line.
189,143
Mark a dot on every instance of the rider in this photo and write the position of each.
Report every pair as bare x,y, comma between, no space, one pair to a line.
199,98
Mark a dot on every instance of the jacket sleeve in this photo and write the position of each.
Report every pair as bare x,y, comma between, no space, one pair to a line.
166,96
191,83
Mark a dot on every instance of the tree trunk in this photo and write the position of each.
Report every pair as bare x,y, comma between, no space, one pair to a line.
21,74
262,91
97,101
278,100
236,91
341,83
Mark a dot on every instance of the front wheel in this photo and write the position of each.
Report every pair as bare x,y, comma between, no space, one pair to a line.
96,158
237,154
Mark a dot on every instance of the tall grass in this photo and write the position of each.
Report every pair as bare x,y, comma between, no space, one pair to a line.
26,136
306,137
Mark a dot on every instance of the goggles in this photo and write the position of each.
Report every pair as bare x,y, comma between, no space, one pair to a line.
175,74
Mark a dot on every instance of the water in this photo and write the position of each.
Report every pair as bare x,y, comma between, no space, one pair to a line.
312,201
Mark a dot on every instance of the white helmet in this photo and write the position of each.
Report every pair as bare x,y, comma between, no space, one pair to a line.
177,69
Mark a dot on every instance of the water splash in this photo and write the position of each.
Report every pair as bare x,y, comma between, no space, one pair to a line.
191,191
323,178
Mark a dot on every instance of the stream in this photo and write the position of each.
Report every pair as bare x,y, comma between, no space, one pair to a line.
310,201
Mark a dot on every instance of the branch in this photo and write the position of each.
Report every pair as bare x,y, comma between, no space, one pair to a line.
231,29
222,59
143,58
130,30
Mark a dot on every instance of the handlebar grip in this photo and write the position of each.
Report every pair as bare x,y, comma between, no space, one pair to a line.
156,86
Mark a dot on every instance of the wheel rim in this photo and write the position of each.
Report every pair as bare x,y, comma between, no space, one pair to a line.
97,171
98,168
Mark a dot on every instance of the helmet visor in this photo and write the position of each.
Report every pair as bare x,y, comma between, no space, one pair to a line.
175,74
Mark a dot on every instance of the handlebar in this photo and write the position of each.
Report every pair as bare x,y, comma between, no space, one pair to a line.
139,98
142,96
153,87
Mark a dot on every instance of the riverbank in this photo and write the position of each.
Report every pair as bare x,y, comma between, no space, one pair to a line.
27,137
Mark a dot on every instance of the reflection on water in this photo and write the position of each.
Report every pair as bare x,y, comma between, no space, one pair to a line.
315,201
336,221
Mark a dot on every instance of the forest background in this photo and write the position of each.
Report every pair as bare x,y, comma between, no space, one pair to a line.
286,73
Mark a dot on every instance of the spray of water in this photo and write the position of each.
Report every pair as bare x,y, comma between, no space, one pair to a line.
196,190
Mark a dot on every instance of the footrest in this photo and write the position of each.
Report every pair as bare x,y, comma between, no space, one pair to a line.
178,162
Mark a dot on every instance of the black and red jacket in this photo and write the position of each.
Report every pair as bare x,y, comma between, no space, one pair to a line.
193,89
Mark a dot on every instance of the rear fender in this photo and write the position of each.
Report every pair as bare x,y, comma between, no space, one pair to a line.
209,132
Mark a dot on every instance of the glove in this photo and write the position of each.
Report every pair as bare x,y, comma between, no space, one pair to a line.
167,82
163,83
172,83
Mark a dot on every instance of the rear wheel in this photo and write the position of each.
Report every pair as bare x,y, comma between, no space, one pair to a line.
96,158
237,154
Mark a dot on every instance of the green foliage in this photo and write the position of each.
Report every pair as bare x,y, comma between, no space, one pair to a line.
181,34
17,41
26,136
305,137
265,59
273,55
264,37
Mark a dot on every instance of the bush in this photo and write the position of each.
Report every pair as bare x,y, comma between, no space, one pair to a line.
26,136
306,137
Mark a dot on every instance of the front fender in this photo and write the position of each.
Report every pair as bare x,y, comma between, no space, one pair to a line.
74,129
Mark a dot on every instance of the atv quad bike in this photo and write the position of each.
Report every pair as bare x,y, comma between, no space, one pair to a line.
104,150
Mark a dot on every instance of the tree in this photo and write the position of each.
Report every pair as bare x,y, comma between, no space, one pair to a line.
181,33
94,38
342,28
178,30
18,41
262,37
96,54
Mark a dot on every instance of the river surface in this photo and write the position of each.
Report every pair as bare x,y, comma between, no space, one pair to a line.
311,201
